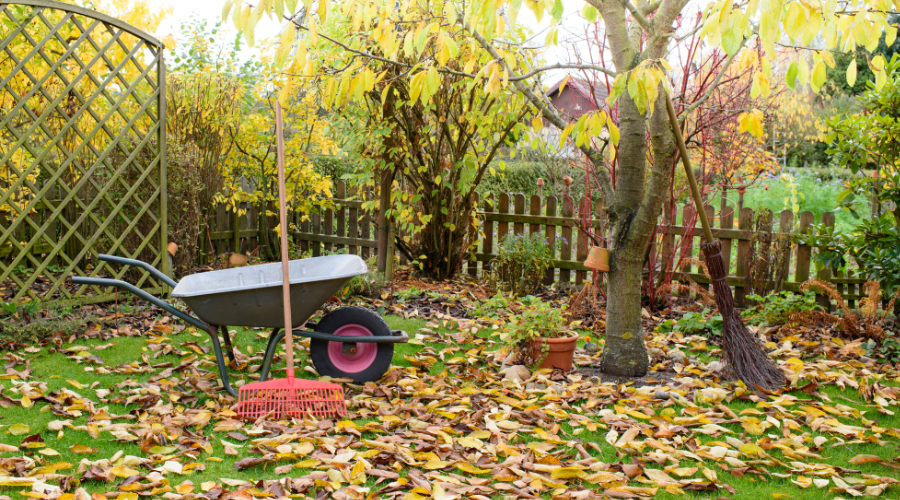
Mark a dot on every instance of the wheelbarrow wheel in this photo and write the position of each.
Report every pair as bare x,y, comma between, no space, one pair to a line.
368,362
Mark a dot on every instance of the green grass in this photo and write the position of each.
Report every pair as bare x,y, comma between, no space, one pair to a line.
441,359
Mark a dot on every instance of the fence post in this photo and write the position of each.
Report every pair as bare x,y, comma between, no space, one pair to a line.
581,248
354,222
487,247
726,221
502,226
550,232
519,227
340,217
804,251
473,240
565,275
745,221
687,236
825,273
785,227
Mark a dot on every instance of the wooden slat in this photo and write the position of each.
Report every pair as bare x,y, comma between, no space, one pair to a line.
745,220
687,238
519,227
825,273
340,217
487,244
328,228
804,252
534,209
581,249
353,223
785,225
550,233
565,275
726,221
502,227
473,238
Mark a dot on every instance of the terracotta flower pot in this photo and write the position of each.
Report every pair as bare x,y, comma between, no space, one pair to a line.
560,352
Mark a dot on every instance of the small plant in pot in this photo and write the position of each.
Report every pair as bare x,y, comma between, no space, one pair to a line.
541,336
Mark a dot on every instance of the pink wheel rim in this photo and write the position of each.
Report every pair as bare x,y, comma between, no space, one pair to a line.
359,361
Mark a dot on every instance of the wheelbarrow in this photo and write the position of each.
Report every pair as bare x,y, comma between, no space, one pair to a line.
350,341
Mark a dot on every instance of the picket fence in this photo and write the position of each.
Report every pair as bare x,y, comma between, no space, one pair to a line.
347,228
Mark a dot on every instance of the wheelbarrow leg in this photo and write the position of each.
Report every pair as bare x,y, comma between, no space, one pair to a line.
274,338
220,360
227,337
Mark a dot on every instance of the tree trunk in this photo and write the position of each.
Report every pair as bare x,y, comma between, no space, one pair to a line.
624,353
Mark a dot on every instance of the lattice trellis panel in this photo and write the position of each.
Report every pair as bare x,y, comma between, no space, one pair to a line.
82,150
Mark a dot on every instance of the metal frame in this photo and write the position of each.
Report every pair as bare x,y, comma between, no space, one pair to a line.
110,103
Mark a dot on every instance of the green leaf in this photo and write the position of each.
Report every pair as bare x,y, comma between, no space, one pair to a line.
791,77
590,13
557,11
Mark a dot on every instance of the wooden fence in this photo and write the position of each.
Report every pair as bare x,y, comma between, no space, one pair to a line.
347,228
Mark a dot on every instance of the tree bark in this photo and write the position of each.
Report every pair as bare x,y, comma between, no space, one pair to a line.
624,352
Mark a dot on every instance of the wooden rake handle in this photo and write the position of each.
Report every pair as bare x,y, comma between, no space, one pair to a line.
285,260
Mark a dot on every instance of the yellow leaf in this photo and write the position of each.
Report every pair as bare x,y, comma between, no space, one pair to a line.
537,124
471,469
567,473
851,73
19,429
82,449
122,471
436,464
26,402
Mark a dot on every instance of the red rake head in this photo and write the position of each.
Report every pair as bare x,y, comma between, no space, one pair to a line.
291,398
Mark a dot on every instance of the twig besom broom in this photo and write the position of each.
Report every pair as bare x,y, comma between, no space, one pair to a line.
745,355
288,397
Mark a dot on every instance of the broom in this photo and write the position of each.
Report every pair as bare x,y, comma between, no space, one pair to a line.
745,355
288,397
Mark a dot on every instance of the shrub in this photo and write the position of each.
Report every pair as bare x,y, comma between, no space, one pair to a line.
694,323
522,261
540,319
491,307
777,308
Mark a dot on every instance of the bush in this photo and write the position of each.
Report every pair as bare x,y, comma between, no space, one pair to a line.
522,262
694,323
540,319
777,308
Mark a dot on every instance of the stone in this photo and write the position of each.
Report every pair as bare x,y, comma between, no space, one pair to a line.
511,358
678,356
591,348
558,388
517,373
661,395
716,366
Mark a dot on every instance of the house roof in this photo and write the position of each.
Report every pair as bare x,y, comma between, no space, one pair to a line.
595,92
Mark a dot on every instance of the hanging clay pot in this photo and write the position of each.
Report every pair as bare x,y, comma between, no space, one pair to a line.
598,259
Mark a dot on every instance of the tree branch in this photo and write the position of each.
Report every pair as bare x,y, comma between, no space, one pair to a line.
547,110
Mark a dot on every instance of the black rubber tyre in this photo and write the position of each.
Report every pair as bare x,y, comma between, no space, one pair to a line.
349,315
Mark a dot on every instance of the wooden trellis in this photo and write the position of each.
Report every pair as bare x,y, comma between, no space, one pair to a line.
82,150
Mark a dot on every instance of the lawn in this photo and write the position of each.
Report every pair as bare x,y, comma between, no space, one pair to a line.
139,415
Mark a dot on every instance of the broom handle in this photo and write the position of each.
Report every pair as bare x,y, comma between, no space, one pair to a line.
285,261
686,162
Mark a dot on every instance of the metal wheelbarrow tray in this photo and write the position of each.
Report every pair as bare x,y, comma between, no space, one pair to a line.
350,341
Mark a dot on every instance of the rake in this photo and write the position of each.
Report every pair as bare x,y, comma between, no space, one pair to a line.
290,397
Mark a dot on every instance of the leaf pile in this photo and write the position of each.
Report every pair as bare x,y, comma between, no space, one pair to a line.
447,425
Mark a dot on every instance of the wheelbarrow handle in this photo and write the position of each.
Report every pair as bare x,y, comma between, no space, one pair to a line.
134,262
81,280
